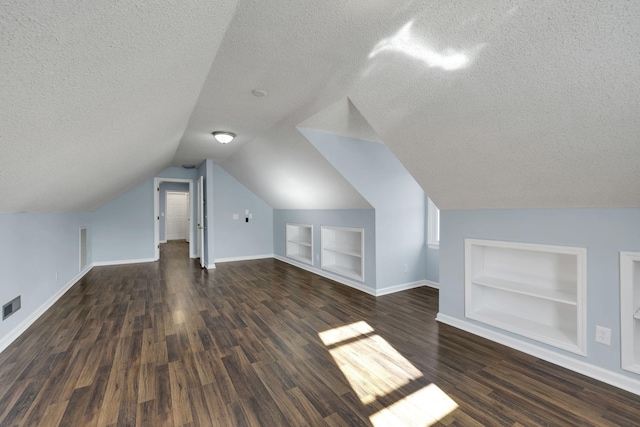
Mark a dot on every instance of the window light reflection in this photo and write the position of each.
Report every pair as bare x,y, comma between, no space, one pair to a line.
406,43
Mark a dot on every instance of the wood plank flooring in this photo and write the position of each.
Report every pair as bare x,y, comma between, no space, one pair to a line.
262,343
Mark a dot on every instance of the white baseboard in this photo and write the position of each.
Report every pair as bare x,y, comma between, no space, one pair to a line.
244,258
356,285
210,266
162,241
335,278
122,262
429,283
24,325
399,288
613,378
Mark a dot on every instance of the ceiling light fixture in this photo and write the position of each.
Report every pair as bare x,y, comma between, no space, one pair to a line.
259,93
224,137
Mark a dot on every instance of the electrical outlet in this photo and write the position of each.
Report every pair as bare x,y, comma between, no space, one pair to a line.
317,257
603,335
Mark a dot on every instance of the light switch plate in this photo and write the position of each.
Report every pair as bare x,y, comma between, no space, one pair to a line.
235,216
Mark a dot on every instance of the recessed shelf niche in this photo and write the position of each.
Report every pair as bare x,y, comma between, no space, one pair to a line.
537,291
343,251
630,310
300,242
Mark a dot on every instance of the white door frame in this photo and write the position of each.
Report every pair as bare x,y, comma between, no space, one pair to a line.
201,227
156,214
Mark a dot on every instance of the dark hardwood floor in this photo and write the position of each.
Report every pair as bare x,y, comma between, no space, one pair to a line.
264,343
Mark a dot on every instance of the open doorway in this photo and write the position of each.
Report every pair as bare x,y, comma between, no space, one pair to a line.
185,186
177,215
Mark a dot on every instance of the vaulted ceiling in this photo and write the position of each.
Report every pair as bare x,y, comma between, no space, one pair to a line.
493,104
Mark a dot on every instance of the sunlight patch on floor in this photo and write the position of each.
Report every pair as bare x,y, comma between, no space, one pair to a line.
375,369
423,408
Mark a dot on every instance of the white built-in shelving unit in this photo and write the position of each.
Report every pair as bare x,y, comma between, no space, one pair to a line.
630,310
537,291
300,242
343,251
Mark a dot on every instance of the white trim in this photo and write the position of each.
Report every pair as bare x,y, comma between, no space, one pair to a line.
628,310
156,213
433,225
323,273
434,285
123,262
30,319
163,241
244,258
357,285
613,378
400,287
209,267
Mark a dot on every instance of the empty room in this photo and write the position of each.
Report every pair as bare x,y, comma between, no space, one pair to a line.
320,213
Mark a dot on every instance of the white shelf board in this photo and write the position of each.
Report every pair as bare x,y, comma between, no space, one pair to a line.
299,242
528,328
343,251
300,258
525,289
343,270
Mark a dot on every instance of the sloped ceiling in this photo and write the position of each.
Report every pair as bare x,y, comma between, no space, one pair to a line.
95,95
493,104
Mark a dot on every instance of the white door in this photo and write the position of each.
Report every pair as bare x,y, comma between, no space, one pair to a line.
176,216
201,221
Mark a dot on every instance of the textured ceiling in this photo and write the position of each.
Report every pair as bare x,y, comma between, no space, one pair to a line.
96,95
493,104
540,108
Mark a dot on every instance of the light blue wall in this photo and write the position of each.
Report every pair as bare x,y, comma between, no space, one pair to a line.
604,232
356,218
237,238
123,228
399,202
164,187
33,247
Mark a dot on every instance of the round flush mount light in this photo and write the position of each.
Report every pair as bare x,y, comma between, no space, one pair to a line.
223,137
189,166
259,93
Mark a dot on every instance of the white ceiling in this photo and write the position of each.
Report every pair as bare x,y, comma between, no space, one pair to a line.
95,95
493,104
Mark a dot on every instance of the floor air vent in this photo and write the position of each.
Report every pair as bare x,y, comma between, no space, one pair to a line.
11,307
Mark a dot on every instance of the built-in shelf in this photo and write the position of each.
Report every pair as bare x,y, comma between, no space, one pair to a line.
630,310
343,251
300,242
537,291
525,289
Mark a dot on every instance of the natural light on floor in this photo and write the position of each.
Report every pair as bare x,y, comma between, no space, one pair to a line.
375,369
